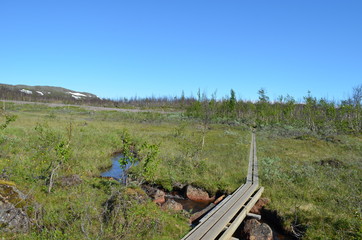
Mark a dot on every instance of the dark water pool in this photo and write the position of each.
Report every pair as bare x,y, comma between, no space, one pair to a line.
189,205
117,171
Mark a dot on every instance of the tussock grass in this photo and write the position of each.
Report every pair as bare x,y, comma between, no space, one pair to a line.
322,200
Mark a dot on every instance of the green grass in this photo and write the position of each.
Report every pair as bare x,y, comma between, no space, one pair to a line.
325,199
76,212
322,200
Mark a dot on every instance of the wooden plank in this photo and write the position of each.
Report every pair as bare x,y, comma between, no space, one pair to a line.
216,208
255,162
198,214
217,219
251,157
200,230
227,216
236,223
212,212
222,203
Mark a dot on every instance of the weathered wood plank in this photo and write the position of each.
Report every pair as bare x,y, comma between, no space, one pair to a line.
251,161
200,230
235,224
255,216
216,220
230,214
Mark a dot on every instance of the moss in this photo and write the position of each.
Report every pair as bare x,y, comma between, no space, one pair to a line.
135,190
4,182
8,194
3,225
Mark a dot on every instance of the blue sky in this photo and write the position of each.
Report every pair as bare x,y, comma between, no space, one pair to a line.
142,48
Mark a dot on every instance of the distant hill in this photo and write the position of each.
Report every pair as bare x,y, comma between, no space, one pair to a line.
49,94
44,93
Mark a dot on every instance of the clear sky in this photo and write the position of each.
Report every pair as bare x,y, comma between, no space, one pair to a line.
116,48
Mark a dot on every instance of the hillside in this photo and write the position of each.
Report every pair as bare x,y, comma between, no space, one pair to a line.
43,93
51,94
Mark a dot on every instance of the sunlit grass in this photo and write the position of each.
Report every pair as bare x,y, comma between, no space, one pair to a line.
322,199
325,199
94,137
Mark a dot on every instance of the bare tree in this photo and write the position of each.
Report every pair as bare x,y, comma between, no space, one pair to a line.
357,99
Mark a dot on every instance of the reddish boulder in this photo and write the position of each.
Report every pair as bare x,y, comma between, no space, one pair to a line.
171,204
254,230
157,195
197,194
259,205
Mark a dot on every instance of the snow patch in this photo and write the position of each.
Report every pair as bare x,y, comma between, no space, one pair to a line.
77,94
76,97
26,91
40,93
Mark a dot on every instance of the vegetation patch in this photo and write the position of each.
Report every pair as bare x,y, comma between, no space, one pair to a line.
332,162
207,147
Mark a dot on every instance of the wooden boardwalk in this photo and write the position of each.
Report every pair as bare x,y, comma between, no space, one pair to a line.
222,221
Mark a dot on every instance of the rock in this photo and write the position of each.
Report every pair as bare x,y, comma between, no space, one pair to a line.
332,162
171,204
254,230
197,194
13,217
70,180
259,205
157,195
4,174
333,139
178,185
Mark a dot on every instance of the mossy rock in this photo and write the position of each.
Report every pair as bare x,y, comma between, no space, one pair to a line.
9,193
13,204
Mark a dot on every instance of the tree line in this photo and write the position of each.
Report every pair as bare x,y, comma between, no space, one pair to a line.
318,115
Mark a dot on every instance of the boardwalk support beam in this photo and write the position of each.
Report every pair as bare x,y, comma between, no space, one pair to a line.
254,216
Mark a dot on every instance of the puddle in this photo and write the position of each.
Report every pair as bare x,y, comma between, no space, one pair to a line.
118,171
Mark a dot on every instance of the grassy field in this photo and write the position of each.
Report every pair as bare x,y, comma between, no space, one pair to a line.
314,182
30,145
